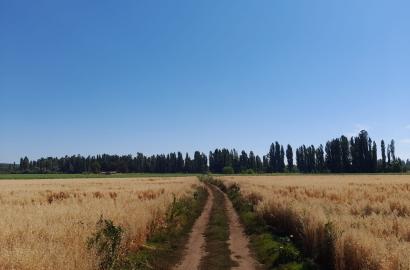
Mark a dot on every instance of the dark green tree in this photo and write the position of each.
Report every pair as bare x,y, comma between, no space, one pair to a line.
259,164
24,164
289,157
374,157
320,159
188,164
271,158
281,161
334,156
383,149
252,161
393,150
243,160
180,163
95,167
277,157
345,151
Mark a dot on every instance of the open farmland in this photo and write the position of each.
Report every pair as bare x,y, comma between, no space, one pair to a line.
45,223
345,221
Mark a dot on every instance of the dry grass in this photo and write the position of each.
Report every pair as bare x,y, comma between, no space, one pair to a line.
370,216
45,224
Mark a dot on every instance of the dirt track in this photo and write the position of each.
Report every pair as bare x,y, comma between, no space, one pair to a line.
238,242
195,246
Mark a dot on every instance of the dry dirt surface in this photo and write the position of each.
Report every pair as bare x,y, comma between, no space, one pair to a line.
238,242
195,248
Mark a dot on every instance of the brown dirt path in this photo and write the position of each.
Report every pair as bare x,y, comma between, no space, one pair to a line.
195,248
239,242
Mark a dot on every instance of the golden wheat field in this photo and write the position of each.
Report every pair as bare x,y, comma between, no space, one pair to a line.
370,214
45,223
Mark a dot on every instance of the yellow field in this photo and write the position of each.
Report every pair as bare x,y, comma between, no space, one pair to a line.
45,224
370,214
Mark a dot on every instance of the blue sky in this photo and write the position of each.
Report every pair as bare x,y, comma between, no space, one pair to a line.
88,77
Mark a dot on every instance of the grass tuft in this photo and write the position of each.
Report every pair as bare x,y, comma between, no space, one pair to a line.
217,235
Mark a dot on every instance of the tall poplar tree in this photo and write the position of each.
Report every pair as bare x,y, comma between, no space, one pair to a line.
289,157
383,149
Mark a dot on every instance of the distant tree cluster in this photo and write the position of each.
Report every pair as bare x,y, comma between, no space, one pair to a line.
340,155
7,168
170,163
229,161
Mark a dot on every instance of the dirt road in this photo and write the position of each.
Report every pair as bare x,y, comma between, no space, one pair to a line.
233,251
195,248
238,241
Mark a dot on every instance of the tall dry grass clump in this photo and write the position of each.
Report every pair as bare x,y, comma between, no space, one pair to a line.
45,224
343,222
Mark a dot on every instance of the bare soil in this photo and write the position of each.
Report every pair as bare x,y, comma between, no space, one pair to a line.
195,248
239,253
239,242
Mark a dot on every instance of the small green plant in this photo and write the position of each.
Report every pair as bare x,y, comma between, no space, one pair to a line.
106,241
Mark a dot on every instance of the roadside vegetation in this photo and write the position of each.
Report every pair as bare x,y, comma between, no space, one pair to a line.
341,222
164,247
273,251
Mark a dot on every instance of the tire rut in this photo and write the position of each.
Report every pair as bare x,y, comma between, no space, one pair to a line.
239,242
195,248
196,256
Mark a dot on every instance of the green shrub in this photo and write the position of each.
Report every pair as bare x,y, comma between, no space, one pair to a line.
106,241
249,171
253,223
274,252
228,170
288,253
308,265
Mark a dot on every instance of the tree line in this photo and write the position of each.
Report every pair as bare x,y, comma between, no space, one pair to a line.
339,155
357,155
170,163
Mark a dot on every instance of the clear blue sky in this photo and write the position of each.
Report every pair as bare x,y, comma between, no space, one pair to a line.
88,77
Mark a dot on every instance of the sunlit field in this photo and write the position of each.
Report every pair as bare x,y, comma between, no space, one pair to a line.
45,223
368,216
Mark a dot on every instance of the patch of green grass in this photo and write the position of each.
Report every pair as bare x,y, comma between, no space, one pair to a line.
276,253
22,176
296,266
217,235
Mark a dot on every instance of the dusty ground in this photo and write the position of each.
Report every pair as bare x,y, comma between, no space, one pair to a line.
195,247
238,242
